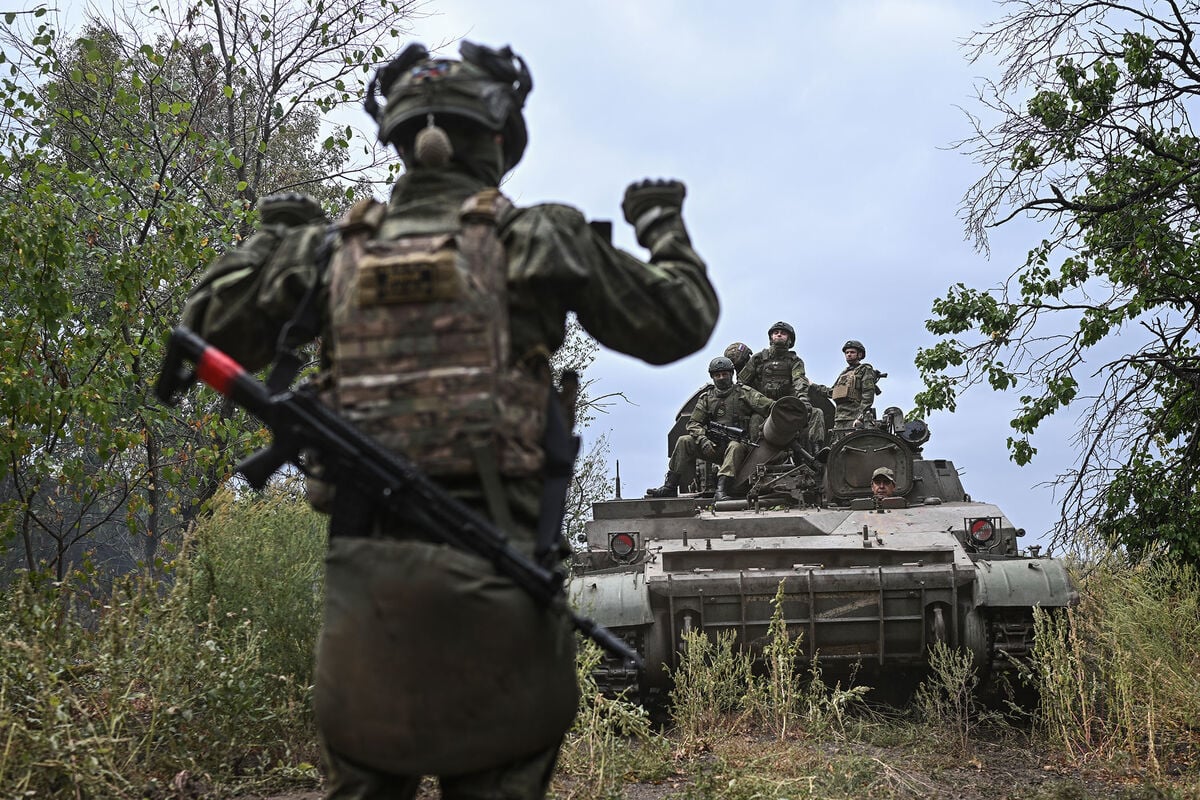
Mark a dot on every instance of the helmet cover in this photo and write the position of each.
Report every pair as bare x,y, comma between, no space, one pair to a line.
487,88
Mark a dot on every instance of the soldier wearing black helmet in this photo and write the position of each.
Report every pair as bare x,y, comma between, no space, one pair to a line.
438,313
726,403
855,388
777,372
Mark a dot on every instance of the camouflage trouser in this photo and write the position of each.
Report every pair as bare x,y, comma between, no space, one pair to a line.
525,779
846,413
687,450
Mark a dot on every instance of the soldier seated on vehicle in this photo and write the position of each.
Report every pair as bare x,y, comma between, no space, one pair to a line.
777,372
730,406
739,353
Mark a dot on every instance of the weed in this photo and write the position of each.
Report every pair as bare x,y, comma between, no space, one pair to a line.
710,683
611,741
103,691
1118,674
948,700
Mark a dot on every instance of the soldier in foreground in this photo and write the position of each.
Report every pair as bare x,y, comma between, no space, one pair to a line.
855,388
437,315
727,404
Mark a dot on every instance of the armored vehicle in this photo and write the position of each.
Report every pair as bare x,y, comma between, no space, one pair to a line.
869,581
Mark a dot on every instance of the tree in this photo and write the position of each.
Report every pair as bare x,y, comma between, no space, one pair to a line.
132,156
589,482
1087,133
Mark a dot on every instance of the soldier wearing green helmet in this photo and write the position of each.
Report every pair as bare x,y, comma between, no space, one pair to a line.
855,388
438,313
727,403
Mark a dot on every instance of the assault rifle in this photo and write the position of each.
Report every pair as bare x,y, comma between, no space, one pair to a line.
299,421
728,433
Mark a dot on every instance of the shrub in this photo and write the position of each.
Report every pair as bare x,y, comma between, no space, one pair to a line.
611,741
105,692
1120,673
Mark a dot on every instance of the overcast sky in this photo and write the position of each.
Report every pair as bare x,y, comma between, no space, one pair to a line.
816,144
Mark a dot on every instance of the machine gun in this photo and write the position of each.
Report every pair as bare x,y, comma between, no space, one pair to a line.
299,421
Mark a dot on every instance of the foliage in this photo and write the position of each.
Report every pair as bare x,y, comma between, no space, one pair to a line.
612,740
1118,674
134,153
710,684
1086,133
104,692
776,698
948,700
262,557
590,482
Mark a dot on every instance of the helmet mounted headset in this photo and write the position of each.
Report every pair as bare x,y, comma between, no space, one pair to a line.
488,88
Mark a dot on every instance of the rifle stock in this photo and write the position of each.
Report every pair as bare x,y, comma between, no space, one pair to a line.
298,420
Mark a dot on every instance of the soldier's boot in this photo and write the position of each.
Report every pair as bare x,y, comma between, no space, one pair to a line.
670,487
724,488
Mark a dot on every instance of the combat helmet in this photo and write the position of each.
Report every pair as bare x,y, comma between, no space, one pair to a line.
487,87
739,353
856,345
786,328
720,364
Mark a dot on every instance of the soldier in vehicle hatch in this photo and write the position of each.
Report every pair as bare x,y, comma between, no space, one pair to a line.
438,313
855,388
727,404
883,483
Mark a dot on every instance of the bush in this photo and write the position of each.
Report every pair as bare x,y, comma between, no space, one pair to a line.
611,741
1119,675
104,693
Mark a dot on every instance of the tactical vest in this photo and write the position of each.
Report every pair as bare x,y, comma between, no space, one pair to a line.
727,410
775,374
848,386
421,351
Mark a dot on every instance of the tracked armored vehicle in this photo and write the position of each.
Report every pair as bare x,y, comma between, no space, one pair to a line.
866,581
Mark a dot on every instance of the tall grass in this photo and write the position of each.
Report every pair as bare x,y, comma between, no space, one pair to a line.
612,740
716,681
1119,675
106,693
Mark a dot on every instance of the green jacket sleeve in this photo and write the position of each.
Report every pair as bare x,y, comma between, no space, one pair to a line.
758,402
249,293
695,425
659,311
749,373
800,380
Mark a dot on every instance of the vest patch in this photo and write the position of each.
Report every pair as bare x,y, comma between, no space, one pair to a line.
421,356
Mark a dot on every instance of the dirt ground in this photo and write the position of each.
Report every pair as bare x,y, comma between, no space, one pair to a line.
994,772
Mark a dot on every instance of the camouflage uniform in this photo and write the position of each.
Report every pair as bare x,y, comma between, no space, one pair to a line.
853,392
734,407
777,372
429,662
